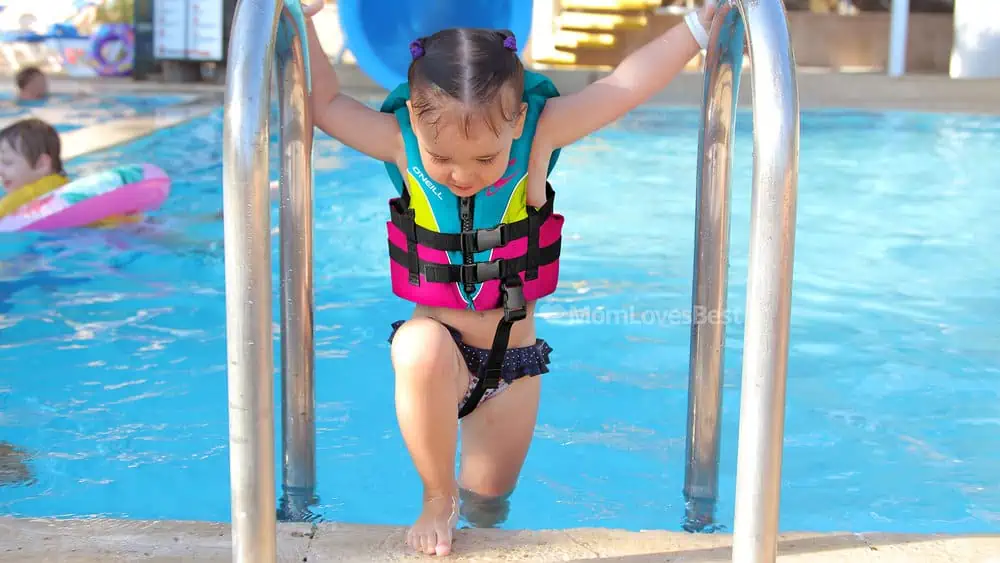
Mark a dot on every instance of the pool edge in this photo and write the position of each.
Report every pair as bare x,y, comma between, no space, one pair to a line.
110,134
81,540
818,89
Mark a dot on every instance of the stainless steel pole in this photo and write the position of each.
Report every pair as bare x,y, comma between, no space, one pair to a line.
711,265
246,206
769,283
296,257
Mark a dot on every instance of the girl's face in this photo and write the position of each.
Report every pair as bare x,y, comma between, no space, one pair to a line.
15,170
466,159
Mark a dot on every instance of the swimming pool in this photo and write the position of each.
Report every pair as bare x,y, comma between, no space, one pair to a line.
112,347
67,113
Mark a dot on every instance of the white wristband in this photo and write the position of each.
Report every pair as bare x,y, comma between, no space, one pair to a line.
697,29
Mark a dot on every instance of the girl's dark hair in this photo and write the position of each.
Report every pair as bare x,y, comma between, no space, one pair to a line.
476,67
32,138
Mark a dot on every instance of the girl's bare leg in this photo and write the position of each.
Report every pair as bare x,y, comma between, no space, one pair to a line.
495,441
431,380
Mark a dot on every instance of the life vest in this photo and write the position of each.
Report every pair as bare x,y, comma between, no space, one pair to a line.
482,252
15,199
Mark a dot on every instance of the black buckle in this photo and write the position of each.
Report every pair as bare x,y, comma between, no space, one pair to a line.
479,272
412,255
483,239
515,308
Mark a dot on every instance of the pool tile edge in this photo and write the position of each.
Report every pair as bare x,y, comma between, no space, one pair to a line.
84,540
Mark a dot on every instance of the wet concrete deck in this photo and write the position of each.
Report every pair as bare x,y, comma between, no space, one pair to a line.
81,541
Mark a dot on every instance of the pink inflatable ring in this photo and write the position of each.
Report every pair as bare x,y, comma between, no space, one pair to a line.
120,191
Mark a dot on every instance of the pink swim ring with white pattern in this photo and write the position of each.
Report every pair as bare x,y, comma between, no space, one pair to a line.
122,190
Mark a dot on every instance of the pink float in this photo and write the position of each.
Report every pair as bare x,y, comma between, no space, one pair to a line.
121,190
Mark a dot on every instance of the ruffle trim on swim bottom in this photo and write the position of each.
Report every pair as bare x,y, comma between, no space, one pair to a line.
517,362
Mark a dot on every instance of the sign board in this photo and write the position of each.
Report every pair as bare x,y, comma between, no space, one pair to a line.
190,30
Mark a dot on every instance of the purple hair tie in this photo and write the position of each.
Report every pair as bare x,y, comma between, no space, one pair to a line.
416,49
510,43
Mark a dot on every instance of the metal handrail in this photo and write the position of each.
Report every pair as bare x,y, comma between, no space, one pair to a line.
768,304
264,31
295,221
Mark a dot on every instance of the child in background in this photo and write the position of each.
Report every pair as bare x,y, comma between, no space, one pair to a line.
468,143
31,166
32,84
30,163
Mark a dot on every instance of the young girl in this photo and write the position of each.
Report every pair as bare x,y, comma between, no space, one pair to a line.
468,142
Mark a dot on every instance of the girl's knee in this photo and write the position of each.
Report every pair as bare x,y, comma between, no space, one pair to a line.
423,348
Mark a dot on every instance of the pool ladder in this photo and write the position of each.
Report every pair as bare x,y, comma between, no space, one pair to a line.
264,32
769,284
248,276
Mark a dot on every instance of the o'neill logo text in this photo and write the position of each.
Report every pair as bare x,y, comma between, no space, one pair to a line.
419,174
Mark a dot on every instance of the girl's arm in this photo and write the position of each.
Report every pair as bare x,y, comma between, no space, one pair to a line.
645,71
358,126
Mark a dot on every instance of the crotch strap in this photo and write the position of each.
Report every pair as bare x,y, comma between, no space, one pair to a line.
515,308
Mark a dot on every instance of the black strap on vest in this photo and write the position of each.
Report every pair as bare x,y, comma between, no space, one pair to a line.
515,308
533,255
412,258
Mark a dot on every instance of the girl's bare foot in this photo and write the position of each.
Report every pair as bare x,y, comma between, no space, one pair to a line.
433,531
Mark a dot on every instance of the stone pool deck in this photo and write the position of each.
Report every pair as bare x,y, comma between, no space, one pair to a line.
818,88
80,541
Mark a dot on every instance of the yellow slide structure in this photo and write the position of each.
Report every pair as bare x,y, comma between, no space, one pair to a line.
591,32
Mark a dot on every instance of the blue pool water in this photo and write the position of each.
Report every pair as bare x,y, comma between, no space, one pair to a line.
67,113
112,345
